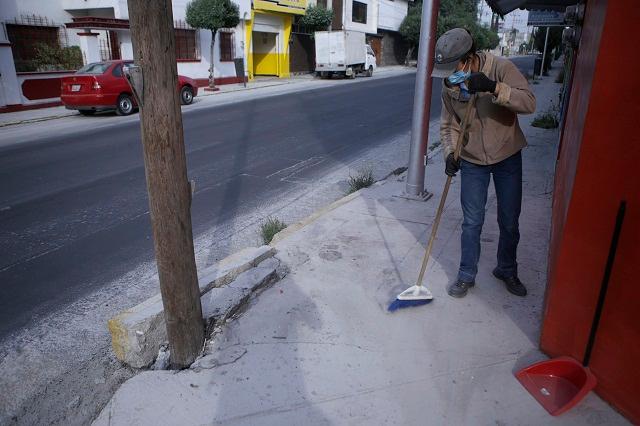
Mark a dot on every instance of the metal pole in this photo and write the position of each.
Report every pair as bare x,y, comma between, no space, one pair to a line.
422,100
544,52
245,49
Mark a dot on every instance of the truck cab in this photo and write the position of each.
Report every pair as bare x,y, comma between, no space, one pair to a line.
370,63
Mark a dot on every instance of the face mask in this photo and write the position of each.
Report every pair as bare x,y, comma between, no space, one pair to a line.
459,76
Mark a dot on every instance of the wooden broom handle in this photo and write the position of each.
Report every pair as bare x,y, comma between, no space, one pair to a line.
443,198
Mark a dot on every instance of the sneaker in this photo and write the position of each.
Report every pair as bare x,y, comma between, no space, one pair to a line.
459,288
514,285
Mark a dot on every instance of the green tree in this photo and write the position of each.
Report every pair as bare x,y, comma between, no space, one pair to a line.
452,14
317,18
555,39
410,29
212,15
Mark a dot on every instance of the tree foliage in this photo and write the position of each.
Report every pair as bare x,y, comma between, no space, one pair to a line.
410,27
212,14
555,40
317,18
452,14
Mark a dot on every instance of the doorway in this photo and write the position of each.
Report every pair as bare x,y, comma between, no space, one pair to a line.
265,53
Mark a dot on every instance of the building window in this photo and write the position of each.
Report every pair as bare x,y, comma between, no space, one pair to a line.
359,12
39,44
322,3
187,47
227,52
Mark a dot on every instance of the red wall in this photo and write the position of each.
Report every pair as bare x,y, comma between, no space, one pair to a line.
41,88
596,169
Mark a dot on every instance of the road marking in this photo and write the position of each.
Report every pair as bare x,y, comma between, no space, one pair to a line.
4,209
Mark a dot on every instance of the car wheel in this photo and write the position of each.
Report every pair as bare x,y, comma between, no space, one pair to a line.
86,111
370,71
186,95
125,105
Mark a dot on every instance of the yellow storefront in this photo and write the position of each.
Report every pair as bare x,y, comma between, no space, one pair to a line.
268,32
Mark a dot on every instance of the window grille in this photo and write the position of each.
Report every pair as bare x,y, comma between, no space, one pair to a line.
106,52
227,51
187,42
36,40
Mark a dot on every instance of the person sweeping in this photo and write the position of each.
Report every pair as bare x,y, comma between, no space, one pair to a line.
491,147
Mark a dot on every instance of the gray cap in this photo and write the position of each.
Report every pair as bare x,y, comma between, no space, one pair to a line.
450,47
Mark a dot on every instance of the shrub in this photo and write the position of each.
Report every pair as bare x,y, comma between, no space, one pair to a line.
53,58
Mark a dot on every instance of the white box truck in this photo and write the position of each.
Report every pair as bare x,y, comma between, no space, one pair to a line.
343,53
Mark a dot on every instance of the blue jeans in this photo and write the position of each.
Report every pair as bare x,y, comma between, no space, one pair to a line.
507,179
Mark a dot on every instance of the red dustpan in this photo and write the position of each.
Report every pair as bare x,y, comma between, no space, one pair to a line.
557,384
560,383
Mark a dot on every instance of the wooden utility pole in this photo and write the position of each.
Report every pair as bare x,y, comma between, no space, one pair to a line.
165,164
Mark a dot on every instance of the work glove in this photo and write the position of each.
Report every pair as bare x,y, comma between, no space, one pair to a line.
479,82
451,165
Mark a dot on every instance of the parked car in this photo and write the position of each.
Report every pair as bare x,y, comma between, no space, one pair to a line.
102,86
343,53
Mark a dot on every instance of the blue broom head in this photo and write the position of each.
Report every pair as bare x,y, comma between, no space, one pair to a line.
401,304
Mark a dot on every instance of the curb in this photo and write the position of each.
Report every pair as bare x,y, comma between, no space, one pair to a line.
221,303
137,333
35,120
295,227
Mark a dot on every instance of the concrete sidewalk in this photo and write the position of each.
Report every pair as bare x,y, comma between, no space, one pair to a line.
204,98
320,347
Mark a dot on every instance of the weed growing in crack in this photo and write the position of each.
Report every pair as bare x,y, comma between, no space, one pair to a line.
270,227
362,179
548,119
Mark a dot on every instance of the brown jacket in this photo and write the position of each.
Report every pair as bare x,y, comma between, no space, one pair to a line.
494,133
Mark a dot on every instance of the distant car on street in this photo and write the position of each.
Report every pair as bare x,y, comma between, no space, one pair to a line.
102,86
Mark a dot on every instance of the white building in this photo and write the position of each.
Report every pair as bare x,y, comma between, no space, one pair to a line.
379,19
390,16
100,29
97,30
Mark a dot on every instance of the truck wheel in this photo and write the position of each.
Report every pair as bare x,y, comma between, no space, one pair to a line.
370,71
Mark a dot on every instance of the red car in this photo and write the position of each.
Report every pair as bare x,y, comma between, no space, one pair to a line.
101,86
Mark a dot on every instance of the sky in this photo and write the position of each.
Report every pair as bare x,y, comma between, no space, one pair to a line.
516,19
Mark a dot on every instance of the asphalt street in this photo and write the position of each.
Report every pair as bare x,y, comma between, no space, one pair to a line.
74,208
